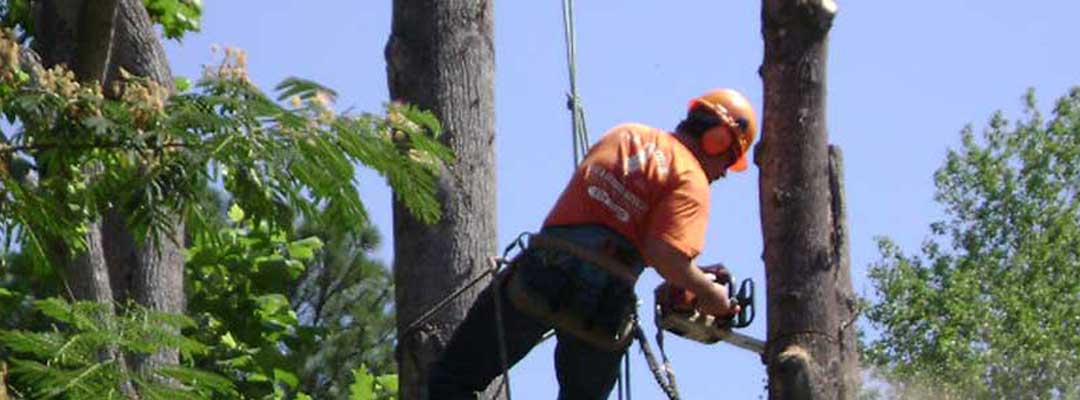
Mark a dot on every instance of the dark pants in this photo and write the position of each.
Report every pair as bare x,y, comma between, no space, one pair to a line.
471,360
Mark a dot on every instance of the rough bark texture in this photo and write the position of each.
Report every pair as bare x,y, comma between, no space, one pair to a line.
56,40
116,265
811,353
63,37
55,31
440,57
153,266
95,40
137,48
846,304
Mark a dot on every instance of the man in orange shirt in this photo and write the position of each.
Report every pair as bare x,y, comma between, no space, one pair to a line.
640,197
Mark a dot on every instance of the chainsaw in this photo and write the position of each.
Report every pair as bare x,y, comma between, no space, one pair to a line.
676,313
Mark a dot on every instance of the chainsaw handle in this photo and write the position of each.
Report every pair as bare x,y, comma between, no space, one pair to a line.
745,299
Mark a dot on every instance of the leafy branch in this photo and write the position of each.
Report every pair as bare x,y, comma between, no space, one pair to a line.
64,362
152,153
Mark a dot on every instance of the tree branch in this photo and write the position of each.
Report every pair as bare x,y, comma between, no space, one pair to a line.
38,147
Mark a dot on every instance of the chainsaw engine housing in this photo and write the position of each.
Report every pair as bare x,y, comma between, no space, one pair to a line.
676,311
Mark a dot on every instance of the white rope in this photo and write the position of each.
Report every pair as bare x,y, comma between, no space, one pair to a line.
573,102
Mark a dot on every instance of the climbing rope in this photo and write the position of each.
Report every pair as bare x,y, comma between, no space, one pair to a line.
500,333
626,373
495,264
664,375
573,102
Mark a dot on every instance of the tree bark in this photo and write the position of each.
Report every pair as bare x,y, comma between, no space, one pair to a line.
116,265
138,49
846,303
80,35
95,40
59,40
151,268
811,352
440,57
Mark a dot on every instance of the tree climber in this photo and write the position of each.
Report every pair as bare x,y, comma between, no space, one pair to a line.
640,197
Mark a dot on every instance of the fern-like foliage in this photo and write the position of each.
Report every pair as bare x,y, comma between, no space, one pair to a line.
151,154
77,359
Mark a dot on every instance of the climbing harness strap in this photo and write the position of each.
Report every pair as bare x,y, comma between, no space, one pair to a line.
662,373
541,286
613,266
662,370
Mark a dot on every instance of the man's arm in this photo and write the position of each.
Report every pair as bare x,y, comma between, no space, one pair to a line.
679,270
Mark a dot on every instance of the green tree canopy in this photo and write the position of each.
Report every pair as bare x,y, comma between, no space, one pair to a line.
69,153
345,298
150,153
991,307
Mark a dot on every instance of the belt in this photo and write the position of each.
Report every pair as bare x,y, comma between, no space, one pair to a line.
605,262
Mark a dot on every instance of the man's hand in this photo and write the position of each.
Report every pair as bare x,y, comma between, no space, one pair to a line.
717,273
679,270
713,300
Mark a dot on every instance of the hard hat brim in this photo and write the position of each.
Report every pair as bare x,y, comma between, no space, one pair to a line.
739,165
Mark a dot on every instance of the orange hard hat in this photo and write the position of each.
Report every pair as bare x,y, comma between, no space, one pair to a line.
734,113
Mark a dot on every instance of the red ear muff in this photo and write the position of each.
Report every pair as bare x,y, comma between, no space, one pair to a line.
715,141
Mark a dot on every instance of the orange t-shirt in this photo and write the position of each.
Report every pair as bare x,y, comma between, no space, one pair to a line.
644,184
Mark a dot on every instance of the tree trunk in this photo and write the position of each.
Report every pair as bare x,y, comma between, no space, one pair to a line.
151,268
440,57
811,352
116,266
80,35
137,48
59,41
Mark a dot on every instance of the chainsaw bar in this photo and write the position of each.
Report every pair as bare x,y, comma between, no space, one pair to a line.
745,342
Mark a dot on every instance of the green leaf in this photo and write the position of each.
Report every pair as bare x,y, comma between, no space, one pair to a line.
182,84
294,268
304,249
275,311
176,17
56,309
198,378
286,377
100,125
229,341
388,382
363,387
236,214
303,88
258,377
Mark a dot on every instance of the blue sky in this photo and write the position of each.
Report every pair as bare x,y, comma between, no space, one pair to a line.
904,78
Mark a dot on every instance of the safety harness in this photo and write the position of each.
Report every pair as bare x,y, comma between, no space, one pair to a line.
564,315
567,320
